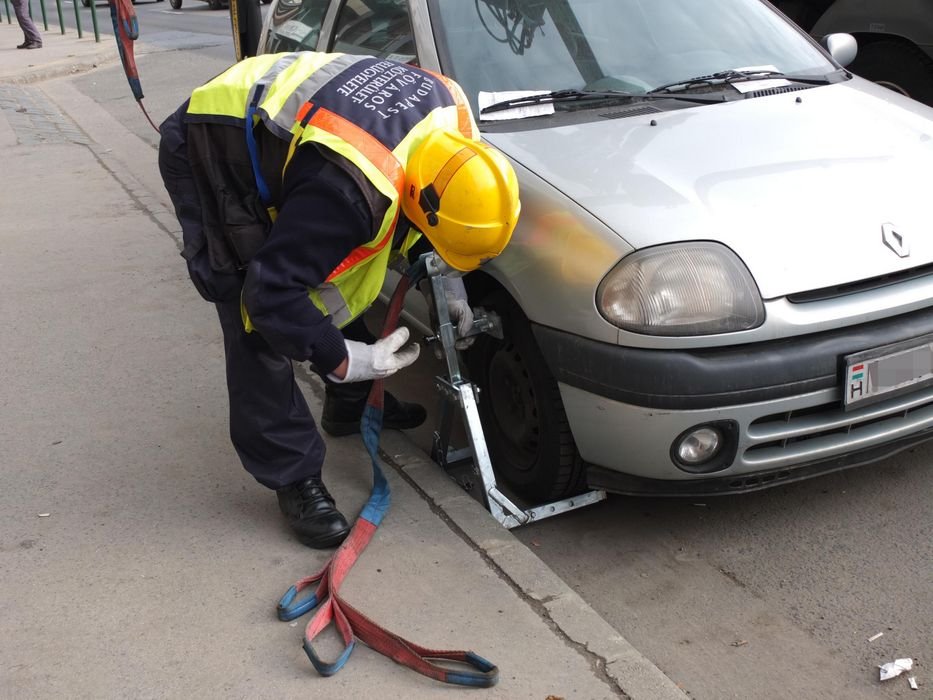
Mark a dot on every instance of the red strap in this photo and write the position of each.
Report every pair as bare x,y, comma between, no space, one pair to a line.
351,623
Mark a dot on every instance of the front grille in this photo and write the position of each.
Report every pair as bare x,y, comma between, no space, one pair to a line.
819,432
865,285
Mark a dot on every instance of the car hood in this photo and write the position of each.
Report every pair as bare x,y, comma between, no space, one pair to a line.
799,185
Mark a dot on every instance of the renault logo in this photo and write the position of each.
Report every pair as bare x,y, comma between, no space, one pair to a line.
895,241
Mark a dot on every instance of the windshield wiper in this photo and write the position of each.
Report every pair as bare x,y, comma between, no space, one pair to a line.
734,76
573,95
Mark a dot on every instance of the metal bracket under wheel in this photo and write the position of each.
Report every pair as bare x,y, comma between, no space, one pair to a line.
500,506
459,393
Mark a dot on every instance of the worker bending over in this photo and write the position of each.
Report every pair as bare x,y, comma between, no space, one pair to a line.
296,178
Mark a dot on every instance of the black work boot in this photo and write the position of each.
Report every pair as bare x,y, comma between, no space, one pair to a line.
310,511
343,408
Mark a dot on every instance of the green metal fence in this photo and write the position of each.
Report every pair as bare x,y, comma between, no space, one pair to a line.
89,5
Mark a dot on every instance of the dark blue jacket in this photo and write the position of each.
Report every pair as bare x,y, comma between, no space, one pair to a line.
322,217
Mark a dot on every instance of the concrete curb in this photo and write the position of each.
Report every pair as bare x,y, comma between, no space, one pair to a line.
609,654
76,57
59,69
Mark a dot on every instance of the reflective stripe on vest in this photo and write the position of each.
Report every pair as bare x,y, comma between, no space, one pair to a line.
371,111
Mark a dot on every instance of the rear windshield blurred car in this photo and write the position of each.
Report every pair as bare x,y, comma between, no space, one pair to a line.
722,278
895,38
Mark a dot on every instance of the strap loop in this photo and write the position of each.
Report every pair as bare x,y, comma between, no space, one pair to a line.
288,609
326,669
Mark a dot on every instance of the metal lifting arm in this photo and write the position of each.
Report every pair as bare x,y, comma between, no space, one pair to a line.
457,392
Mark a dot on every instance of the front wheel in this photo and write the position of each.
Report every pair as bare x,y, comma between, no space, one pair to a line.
523,417
898,66
176,4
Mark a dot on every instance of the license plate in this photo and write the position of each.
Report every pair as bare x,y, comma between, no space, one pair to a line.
878,374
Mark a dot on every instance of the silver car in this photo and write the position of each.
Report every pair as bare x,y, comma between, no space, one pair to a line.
722,278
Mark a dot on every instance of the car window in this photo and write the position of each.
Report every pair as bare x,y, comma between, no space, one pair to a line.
295,25
630,45
376,27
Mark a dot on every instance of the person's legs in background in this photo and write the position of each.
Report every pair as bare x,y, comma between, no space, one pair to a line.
30,31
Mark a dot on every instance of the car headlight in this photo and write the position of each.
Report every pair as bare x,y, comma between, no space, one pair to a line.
682,289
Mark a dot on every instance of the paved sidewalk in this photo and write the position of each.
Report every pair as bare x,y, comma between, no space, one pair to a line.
61,54
137,558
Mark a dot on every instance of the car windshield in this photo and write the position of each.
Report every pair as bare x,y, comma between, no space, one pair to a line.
627,45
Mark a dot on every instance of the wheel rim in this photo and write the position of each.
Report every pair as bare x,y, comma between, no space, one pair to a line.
512,398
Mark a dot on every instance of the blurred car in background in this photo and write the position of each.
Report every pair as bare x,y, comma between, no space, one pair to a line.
214,4
895,38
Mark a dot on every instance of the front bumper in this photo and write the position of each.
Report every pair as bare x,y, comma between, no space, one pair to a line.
719,485
627,405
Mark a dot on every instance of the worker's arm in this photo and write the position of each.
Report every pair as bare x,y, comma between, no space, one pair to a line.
322,218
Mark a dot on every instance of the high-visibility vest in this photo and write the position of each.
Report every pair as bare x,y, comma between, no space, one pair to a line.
373,112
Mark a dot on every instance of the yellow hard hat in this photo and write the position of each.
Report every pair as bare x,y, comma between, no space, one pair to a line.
462,195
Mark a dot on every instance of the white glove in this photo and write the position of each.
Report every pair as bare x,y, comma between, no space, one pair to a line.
460,310
380,359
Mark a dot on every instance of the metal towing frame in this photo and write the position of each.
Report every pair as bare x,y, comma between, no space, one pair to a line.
457,391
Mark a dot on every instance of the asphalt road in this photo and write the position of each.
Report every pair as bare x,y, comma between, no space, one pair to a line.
768,595
154,16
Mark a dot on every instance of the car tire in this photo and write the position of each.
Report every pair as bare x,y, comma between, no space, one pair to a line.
524,421
176,4
897,65
215,4
86,3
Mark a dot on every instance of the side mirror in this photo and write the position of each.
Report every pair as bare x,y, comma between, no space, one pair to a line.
842,47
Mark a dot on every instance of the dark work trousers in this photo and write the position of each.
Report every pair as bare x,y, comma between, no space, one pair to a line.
271,426
30,31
